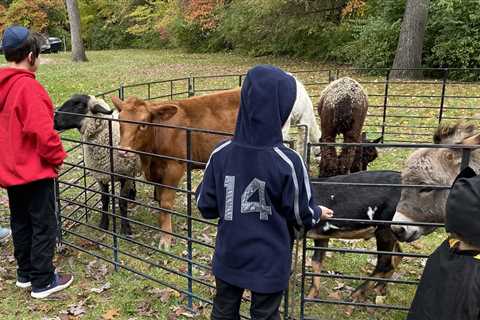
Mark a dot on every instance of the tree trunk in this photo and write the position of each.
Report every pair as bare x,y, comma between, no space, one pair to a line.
410,43
78,50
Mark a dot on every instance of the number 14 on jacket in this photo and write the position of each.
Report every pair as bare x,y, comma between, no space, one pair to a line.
247,206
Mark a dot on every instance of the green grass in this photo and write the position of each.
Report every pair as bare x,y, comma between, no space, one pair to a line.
136,298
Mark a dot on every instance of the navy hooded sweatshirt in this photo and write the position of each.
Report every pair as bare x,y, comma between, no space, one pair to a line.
258,188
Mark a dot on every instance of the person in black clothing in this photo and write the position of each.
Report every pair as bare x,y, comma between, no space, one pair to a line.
450,285
260,191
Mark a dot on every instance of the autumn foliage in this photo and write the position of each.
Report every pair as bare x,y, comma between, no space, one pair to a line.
202,12
34,14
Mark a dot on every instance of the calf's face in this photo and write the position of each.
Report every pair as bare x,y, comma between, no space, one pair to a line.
139,136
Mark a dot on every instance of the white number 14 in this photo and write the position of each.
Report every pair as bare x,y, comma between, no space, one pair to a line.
246,205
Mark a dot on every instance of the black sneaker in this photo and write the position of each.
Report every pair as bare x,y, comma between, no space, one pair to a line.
23,282
59,283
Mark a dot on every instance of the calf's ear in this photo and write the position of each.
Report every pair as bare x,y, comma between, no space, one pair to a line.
117,103
163,111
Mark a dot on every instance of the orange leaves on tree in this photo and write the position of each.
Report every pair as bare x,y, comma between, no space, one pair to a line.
29,13
202,12
354,8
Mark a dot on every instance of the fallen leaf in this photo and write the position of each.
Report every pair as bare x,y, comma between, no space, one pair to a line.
380,299
106,286
87,244
335,295
76,310
349,310
145,309
97,270
417,245
4,201
181,311
110,314
164,294
340,286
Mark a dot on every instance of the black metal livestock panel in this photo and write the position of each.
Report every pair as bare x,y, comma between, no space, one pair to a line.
403,113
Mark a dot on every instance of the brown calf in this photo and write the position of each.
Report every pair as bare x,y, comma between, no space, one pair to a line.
217,111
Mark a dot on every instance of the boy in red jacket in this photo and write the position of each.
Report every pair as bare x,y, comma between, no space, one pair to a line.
31,154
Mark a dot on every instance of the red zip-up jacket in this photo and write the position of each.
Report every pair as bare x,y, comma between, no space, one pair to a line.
30,148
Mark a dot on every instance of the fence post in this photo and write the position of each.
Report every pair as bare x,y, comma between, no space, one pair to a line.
307,163
58,213
465,158
189,215
285,304
121,92
385,102
112,195
304,143
191,87
240,80
302,290
442,101
171,90
87,212
149,91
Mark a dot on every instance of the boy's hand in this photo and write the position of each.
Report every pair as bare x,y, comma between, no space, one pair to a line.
326,213
58,168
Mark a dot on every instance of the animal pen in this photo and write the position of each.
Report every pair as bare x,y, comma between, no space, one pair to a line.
403,113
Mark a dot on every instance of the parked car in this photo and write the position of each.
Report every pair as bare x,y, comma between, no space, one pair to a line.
49,45
52,45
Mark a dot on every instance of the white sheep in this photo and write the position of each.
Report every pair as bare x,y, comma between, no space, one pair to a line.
303,114
96,131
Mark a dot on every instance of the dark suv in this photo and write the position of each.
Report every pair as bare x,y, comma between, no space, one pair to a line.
49,45
52,45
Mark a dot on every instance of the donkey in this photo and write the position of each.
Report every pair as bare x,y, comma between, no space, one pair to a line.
429,167
358,202
342,108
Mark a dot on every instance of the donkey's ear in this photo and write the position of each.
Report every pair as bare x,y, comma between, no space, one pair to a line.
163,111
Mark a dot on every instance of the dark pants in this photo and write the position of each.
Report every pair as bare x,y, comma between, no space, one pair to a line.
226,304
34,230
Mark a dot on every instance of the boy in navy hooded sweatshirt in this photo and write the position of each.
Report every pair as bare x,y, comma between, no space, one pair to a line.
260,191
